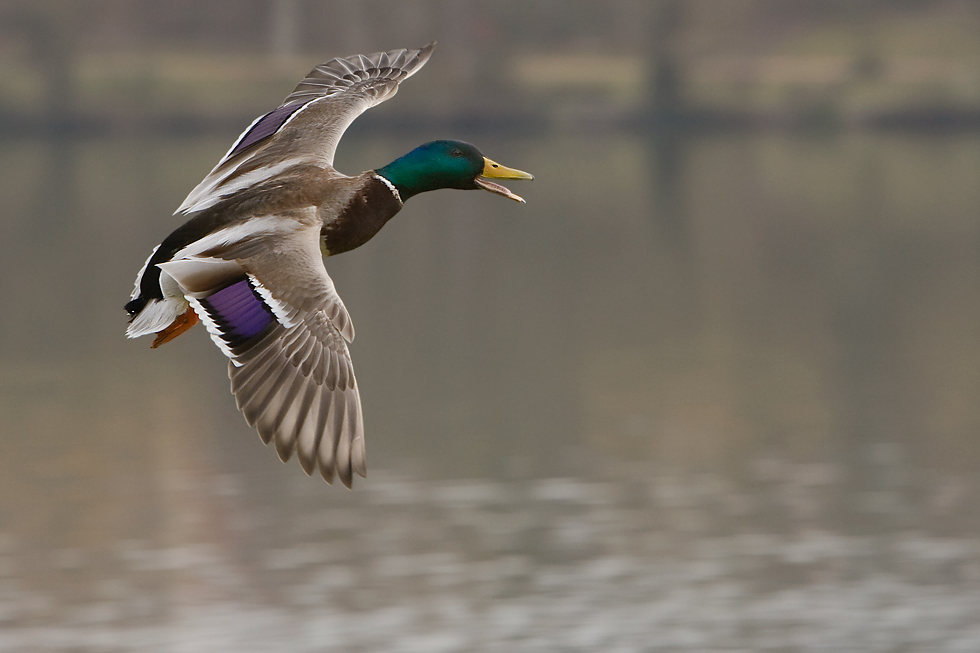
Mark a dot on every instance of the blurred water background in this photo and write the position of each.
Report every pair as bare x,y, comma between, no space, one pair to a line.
714,388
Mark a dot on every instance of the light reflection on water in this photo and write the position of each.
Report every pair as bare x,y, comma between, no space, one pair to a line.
627,560
722,396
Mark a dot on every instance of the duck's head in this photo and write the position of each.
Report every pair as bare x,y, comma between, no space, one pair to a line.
448,164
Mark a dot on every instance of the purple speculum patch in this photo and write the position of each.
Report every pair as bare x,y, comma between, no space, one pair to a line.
238,311
266,126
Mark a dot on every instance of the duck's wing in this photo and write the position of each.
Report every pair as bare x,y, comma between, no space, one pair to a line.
276,314
310,122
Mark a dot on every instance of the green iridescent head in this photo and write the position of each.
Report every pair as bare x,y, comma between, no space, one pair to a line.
448,164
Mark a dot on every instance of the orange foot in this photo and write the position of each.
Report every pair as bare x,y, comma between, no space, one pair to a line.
184,321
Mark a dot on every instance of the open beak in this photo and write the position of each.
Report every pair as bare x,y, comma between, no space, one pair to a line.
494,170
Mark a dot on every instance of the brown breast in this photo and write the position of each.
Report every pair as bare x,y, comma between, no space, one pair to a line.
368,210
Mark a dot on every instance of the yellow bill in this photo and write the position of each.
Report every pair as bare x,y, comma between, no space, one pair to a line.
493,170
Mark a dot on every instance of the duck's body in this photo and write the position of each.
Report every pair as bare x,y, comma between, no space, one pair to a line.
248,261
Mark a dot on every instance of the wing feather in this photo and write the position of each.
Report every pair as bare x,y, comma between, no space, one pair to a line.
300,421
328,445
288,417
278,399
311,431
342,461
253,398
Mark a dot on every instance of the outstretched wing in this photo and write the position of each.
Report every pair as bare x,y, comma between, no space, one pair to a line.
284,329
308,125
296,386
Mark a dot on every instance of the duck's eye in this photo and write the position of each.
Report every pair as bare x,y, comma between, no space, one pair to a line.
457,153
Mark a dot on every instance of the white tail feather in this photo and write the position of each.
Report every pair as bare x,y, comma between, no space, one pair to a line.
156,316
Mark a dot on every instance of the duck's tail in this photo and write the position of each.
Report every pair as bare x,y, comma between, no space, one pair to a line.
154,315
158,306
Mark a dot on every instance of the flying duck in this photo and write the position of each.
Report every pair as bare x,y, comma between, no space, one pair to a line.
248,262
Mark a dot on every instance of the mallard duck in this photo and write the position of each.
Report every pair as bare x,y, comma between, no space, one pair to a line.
248,262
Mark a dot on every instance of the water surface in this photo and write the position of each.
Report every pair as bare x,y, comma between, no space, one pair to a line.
712,394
